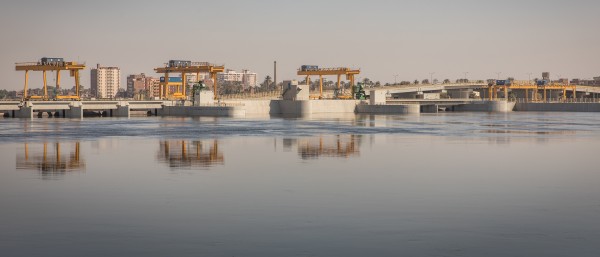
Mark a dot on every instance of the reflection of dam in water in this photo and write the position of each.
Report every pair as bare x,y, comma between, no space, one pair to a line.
340,146
187,154
48,158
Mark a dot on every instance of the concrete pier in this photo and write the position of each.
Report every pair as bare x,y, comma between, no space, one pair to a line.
209,111
486,106
24,112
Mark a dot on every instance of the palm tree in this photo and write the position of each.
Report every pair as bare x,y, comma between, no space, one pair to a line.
267,83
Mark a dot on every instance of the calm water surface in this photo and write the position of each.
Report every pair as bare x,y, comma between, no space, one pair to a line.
472,184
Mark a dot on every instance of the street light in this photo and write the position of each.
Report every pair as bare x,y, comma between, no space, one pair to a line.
529,76
498,73
466,72
396,79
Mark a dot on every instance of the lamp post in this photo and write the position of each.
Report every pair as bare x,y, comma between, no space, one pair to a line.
466,72
395,79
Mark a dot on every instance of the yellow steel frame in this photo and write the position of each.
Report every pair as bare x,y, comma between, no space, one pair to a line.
180,87
493,90
349,73
72,67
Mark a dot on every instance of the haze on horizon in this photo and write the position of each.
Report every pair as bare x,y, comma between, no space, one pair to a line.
382,38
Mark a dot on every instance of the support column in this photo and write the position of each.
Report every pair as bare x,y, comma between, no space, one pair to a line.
506,93
339,81
75,112
122,111
526,95
24,112
545,99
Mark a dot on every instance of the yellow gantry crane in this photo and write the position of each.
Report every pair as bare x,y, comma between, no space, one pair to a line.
186,67
51,163
51,64
543,86
185,154
313,70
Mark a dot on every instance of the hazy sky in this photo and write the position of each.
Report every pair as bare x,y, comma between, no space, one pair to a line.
382,38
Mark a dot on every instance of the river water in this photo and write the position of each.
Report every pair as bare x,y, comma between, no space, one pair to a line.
456,184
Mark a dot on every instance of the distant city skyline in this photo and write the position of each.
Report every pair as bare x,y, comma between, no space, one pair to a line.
410,39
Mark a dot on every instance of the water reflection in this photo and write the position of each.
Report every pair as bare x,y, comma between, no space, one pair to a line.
340,146
49,160
180,154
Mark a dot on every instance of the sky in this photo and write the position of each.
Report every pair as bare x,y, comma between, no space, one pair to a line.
410,39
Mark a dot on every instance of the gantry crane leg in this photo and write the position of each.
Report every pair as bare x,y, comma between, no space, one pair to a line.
76,73
58,81
45,85
320,86
215,91
183,83
352,85
166,86
26,84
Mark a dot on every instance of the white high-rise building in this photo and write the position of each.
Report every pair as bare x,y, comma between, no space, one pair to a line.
105,81
249,78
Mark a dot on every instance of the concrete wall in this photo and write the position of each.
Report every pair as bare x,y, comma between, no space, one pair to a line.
377,97
558,107
204,97
459,93
261,107
210,111
486,106
293,91
388,109
334,106
295,108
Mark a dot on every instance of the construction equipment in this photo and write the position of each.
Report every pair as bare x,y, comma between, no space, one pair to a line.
313,70
359,91
51,64
186,67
